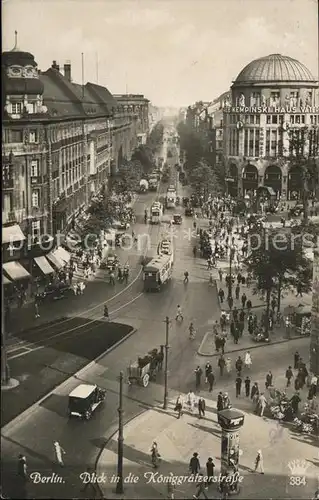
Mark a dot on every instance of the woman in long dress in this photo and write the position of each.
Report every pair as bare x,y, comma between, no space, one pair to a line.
228,365
248,360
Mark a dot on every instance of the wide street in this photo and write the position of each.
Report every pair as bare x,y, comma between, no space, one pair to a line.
34,434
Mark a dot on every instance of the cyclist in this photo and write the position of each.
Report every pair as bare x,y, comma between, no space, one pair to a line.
186,275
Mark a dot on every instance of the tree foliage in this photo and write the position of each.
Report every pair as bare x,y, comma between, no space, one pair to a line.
155,138
144,155
203,179
303,153
277,262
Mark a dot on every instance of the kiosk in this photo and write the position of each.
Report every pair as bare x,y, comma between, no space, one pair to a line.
231,421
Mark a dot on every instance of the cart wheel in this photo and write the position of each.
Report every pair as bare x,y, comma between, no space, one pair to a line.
145,380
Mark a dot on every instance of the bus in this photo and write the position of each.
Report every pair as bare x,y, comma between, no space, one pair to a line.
156,213
158,272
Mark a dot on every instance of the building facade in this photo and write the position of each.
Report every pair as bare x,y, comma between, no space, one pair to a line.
314,339
273,99
61,143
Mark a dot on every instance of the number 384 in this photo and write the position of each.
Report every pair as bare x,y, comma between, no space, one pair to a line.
297,480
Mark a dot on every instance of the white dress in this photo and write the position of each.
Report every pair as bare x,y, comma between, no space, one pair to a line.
248,361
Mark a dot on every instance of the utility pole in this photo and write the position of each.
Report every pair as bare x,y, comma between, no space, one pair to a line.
167,322
119,485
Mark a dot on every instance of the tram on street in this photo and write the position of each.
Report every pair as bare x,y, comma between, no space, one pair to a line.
156,213
158,272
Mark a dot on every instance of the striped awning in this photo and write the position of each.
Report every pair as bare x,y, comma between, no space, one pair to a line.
12,234
15,271
63,254
56,260
44,265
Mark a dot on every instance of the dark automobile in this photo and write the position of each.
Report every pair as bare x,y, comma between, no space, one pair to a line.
185,201
177,219
189,211
84,400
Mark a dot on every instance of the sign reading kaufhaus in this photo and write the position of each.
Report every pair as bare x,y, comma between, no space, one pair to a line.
271,109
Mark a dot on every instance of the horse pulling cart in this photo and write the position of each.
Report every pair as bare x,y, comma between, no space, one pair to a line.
144,369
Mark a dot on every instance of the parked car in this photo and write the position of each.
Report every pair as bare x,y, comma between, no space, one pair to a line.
84,400
177,219
189,211
121,225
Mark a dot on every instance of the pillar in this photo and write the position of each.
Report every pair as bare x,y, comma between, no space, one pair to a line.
231,421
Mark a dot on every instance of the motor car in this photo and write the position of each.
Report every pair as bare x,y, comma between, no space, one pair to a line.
120,225
189,211
84,400
177,219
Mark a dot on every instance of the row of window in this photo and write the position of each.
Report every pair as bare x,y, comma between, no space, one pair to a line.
251,119
273,119
16,136
252,142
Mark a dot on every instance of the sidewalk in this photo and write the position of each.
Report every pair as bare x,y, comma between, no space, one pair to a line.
178,439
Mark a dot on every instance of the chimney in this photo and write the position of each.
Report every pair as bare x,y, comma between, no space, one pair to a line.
55,65
67,70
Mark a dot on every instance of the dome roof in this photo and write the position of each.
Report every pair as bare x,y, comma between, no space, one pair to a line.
274,68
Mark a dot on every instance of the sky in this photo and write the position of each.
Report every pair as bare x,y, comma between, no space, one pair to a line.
175,52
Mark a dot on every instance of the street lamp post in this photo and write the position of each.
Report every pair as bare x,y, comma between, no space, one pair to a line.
119,484
167,322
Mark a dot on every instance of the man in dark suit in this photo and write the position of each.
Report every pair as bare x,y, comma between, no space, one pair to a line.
201,407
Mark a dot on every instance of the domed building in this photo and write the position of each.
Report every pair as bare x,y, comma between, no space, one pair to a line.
273,105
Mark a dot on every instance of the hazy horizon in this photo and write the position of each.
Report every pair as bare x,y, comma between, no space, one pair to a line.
174,52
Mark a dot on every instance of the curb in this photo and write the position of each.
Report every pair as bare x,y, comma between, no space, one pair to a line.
282,341
110,436
6,428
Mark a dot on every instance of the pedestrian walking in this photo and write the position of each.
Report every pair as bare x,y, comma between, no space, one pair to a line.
179,315
171,486
269,378
243,300
226,401
200,488
248,305
221,365
210,470
296,360
112,278
259,463
261,405
191,401
106,313
254,391
211,380
220,272
238,385
179,406
248,360
194,465
201,405
228,366
89,486
220,402
289,375
221,295
59,452
198,377
294,401
239,365
186,277
208,370
36,309
230,301
237,291
247,386
22,476
155,456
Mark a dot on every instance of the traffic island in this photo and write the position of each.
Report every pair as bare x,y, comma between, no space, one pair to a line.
70,347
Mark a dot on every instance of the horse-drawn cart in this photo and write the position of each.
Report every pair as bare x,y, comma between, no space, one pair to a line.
144,369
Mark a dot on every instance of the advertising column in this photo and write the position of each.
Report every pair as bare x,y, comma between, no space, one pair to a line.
230,421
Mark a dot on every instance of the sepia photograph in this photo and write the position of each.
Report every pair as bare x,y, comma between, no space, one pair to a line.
160,249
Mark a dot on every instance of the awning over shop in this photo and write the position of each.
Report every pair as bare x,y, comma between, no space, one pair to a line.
12,234
63,254
15,270
56,260
44,265
5,280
